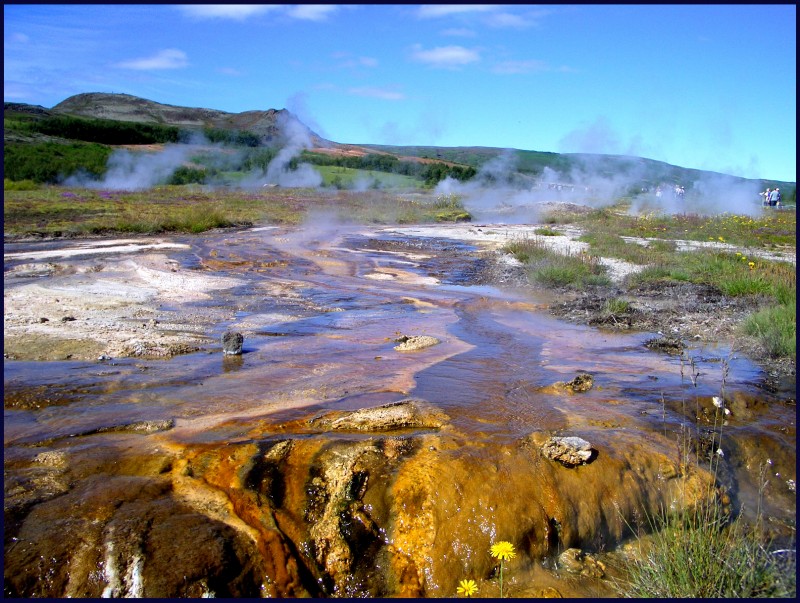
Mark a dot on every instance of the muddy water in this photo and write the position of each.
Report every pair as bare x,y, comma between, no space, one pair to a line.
208,475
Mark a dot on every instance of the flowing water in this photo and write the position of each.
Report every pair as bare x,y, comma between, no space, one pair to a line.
204,474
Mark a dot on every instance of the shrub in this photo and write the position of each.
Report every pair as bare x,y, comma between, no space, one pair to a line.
50,162
19,185
775,328
702,554
701,550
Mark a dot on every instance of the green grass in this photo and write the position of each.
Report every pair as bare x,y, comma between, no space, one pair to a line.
701,548
768,230
776,328
615,306
703,554
19,185
351,178
732,273
550,268
61,211
546,231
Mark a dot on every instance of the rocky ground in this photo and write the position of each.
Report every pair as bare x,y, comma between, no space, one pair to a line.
674,312
88,307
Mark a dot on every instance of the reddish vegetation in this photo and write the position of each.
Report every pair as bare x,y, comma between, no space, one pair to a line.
347,150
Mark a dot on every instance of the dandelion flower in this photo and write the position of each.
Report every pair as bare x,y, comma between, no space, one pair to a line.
503,550
721,239
467,588
751,264
718,402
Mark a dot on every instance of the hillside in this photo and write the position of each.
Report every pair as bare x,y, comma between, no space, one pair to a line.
267,125
150,122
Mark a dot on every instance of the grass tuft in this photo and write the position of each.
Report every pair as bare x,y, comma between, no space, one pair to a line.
775,328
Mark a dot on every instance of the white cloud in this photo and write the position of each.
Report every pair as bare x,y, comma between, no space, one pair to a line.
230,71
461,32
165,59
346,60
508,20
445,56
312,12
238,12
381,93
515,67
19,38
445,10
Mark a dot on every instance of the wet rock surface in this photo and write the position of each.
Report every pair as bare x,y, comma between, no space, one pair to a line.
414,342
293,516
397,415
286,472
570,451
232,343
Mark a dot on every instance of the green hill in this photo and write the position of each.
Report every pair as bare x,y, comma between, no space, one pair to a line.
80,134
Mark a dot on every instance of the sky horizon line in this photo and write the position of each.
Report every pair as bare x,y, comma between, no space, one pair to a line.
363,143
707,87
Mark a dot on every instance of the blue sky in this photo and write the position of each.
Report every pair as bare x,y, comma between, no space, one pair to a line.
701,86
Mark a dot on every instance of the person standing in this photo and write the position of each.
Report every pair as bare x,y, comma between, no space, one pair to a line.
765,200
775,197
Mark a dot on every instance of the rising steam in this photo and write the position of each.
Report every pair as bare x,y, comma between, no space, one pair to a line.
499,193
279,171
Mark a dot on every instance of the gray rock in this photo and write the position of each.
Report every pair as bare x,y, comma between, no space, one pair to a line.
569,451
576,561
415,342
404,414
232,343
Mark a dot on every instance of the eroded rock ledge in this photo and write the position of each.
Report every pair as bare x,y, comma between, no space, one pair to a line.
357,508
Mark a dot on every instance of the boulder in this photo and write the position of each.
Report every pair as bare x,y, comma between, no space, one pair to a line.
569,451
232,343
415,342
404,414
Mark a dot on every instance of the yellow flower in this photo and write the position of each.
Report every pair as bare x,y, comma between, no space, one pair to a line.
721,239
503,550
751,264
467,588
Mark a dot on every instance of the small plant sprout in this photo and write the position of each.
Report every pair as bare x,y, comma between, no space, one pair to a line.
467,588
503,551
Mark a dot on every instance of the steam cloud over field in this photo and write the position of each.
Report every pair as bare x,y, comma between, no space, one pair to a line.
500,193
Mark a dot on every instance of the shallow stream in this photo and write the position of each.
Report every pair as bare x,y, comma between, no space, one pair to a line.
204,474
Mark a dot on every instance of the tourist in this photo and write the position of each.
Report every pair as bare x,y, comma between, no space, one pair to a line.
765,200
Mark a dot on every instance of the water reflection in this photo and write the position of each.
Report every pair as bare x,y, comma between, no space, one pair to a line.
321,316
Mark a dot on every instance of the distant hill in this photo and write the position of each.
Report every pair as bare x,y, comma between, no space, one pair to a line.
268,125
275,128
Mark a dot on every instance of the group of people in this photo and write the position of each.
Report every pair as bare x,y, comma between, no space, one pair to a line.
772,198
678,192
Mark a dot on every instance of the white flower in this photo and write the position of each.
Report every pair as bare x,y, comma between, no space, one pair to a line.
718,402
719,452
727,411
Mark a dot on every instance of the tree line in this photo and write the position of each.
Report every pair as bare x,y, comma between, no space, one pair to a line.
429,172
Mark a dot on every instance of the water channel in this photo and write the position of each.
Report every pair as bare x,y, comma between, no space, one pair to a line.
202,474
